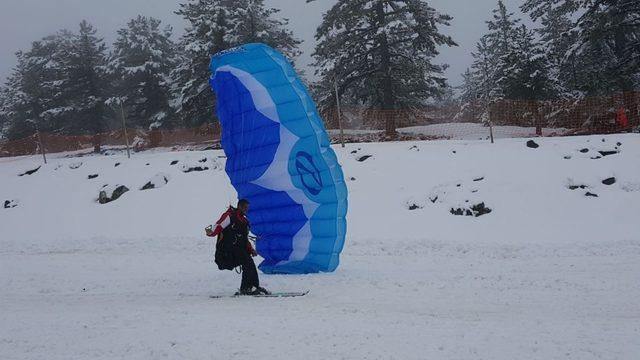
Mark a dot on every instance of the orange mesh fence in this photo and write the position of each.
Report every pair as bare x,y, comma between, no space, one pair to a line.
477,120
138,140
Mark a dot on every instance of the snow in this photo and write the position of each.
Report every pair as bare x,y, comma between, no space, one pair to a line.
549,274
460,131
474,131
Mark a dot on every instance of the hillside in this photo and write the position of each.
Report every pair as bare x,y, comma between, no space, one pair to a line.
545,267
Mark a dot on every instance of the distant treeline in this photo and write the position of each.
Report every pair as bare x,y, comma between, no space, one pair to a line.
379,53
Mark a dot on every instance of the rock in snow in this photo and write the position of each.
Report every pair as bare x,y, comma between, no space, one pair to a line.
476,210
158,181
9,204
111,193
30,172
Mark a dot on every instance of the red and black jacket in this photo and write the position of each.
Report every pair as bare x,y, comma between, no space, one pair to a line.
233,225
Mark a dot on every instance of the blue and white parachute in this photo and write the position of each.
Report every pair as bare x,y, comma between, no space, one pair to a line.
279,158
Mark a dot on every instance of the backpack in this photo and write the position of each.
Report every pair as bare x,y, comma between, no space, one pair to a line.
225,257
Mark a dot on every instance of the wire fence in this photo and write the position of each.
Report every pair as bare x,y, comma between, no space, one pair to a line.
502,118
472,121
204,136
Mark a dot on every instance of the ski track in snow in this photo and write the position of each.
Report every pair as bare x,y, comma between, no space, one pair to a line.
549,274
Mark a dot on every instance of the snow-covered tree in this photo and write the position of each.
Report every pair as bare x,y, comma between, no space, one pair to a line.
4,111
605,41
557,38
381,52
485,74
508,62
20,108
524,68
480,83
502,29
470,94
204,36
254,22
4,119
213,26
86,81
34,96
604,52
469,88
494,48
142,59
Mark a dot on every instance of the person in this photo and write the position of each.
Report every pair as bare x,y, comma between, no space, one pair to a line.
232,232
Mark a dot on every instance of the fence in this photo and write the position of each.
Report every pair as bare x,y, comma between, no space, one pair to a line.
207,135
505,118
477,120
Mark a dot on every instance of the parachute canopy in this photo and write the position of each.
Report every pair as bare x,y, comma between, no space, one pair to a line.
279,158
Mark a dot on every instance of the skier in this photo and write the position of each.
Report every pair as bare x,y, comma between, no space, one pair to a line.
232,231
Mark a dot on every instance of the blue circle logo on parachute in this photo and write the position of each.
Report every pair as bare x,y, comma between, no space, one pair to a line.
309,173
279,158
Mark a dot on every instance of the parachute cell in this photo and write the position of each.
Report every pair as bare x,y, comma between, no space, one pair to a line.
279,158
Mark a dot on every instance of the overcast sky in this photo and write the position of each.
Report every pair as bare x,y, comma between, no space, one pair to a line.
23,21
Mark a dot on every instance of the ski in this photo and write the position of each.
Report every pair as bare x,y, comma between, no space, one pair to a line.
272,295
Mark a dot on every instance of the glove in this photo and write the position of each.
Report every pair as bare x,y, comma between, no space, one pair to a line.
209,231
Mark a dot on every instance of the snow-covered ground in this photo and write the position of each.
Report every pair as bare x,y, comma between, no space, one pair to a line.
475,131
458,131
549,273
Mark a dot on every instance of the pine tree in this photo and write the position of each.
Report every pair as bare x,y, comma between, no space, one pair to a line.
143,57
4,120
216,25
20,106
382,52
489,65
56,86
4,111
470,94
604,55
469,88
509,62
502,29
500,42
53,54
86,82
524,69
557,38
34,96
485,72
253,22
605,49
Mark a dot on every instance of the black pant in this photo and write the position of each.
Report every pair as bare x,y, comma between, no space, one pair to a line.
249,272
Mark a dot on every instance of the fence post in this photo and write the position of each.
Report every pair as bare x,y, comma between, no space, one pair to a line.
335,84
490,121
491,130
41,145
537,117
124,128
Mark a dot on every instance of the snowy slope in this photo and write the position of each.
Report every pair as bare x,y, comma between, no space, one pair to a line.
549,273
